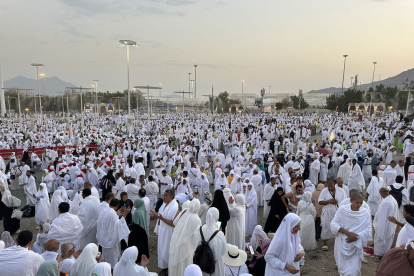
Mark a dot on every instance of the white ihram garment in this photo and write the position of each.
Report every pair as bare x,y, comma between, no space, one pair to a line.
374,198
235,230
329,210
348,256
66,227
384,229
307,213
88,215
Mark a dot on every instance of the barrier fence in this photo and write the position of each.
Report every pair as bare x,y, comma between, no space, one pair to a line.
5,153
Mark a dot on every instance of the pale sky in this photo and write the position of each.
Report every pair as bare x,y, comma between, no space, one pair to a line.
290,44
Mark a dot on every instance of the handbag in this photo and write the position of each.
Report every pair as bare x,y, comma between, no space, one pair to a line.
12,177
17,214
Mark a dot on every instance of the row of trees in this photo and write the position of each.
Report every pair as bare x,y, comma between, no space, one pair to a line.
292,101
390,95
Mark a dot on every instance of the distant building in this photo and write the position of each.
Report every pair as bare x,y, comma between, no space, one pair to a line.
377,109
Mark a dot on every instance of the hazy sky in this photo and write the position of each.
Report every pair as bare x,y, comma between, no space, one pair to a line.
288,44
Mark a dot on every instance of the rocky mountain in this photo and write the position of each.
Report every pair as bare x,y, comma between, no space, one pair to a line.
392,81
51,85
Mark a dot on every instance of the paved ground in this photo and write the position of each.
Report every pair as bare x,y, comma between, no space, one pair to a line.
317,262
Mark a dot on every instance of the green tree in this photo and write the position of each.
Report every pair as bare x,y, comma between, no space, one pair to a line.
223,102
342,101
279,105
295,102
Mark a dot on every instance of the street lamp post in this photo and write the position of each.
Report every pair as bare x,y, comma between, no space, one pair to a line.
343,74
128,43
269,88
38,88
96,96
242,85
183,92
80,88
18,99
373,74
189,84
148,88
195,81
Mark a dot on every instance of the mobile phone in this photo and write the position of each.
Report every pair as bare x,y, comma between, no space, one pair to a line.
251,250
218,224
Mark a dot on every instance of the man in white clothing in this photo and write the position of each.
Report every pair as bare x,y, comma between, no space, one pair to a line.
165,226
119,186
18,260
315,167
329,198
66,227
111,229
165,182
256,179
352,228
384,229
88,215
356,179
152,191
400,193
345,170
373,195
389,174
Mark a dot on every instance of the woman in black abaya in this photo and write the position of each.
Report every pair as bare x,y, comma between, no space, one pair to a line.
277,211
106,180
139,229
220,203
9,203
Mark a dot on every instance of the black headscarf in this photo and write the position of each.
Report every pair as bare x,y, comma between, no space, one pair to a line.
220,203
276,208
110,176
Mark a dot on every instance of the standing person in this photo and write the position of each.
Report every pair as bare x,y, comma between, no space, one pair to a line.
66,227
285,251
152,191
111,229
314,169
165,226
267,195
277,211
119,186
352,228
307,213
30,191
217,244
181,247
86,261
10,224
107,180
323,174
373,196
220,203
42,205
400,193
318,208
356,179
251,207
14,178
139,229
236,227
329,198
18,260
256,180
384,229
88,215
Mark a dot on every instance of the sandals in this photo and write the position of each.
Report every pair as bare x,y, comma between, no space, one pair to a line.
325,248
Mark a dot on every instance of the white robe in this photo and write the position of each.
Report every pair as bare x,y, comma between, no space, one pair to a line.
344,172
329,210
235,230
164,232
314,171
356,180
267,195
374,198
66,227
348,256
110,231
18,261
257,182
384,229
405,236
88,215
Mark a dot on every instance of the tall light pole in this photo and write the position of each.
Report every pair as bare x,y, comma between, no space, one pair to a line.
242,85
80,88
38,88
343,74
148,89
351,81
189,83
18,99
373,74
160,84
195,81
96,96
40,99
128,43
269,88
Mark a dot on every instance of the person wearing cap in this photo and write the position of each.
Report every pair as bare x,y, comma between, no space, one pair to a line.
234,261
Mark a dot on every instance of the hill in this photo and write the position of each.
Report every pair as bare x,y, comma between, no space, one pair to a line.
392,81
52,85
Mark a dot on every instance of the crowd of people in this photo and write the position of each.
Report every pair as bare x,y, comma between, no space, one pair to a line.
201,180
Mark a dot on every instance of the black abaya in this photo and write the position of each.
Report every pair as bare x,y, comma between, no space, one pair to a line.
10,224
220,203
138,237
276,208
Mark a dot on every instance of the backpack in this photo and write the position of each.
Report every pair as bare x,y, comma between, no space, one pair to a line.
412,193
397,194
203,255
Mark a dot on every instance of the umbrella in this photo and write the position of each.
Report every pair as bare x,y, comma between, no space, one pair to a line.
324,151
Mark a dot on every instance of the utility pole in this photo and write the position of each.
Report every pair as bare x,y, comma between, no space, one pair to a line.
408,99
343,74
18,99
80,88
148,89
183,92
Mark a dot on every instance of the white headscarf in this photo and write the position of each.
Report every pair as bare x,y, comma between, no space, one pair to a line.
258,235
285,245
127,265
305,201
251,195
183,231
193,270
54,204
101,269
86,261
64,194
2,245
43,193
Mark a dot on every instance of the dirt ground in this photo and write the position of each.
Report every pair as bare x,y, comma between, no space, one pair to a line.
317,262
